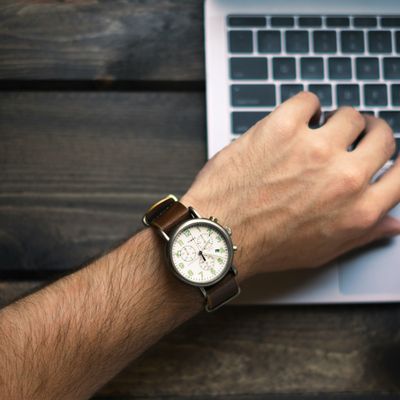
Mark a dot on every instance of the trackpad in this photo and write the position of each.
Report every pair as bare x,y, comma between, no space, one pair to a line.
373,270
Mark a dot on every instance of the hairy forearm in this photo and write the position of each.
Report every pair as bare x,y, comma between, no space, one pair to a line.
67,340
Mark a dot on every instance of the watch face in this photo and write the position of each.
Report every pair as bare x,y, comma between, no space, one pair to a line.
200,252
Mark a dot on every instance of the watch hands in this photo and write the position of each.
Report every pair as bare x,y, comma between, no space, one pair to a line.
194,239
202,255
208,241
211,254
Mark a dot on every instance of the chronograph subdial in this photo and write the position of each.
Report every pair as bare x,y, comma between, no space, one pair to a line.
187,253
206,262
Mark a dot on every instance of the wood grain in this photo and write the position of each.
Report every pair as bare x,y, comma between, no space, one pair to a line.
104,40
78,169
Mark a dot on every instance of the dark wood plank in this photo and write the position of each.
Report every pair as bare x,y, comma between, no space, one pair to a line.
136,40
243,353
77,170
10,291
254,350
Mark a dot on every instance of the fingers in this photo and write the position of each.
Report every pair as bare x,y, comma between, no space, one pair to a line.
376,146
344,126
301,108
385,193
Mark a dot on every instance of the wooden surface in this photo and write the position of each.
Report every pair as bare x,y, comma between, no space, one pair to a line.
103,113
148,40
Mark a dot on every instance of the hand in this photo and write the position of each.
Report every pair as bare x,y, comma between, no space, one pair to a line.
294,196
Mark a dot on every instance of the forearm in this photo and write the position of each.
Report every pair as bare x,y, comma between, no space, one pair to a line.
67,340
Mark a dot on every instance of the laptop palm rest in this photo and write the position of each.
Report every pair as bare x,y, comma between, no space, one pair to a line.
374,270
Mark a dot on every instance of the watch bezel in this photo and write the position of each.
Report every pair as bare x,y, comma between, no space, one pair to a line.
194,222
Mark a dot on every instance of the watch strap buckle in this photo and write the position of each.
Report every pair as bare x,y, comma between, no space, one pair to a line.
165,202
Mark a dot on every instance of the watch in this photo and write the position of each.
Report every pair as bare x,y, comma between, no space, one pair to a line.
199,250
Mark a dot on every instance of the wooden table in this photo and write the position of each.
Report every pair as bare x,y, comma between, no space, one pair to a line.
102,112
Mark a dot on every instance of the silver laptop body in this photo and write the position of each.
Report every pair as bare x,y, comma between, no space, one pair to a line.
369,275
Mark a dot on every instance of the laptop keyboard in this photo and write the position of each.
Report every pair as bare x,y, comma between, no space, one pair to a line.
345,60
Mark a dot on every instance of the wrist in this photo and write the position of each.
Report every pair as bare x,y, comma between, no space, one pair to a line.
180,298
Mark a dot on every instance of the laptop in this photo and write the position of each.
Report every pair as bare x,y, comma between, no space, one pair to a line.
261,52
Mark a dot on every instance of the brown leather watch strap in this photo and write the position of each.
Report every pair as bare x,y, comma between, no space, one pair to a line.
221,292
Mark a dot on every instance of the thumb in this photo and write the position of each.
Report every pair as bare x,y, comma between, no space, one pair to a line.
387,227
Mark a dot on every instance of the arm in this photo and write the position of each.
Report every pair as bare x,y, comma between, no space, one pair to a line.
294,198
68,339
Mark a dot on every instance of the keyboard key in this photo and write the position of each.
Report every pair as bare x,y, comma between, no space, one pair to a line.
391,68
392,118
390,22
253,95
395,95
368,112
324,92
269,41
379,42
324,41
296,41
397,34
339,68
309,22
282,21
375,95
240,41
238,21
312,68
284,68
249,68
367,68
348,95
242,121
352,41
287,91
365,22
337,21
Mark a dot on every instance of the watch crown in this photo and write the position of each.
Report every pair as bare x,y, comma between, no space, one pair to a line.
213,219
229,230
235,247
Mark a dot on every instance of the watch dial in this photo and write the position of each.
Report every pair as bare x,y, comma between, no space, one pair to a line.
200,253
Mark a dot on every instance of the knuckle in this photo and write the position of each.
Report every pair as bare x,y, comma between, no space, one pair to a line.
383,125
389,142
354,117
365,216
319,150
285,126
352,179
309,97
